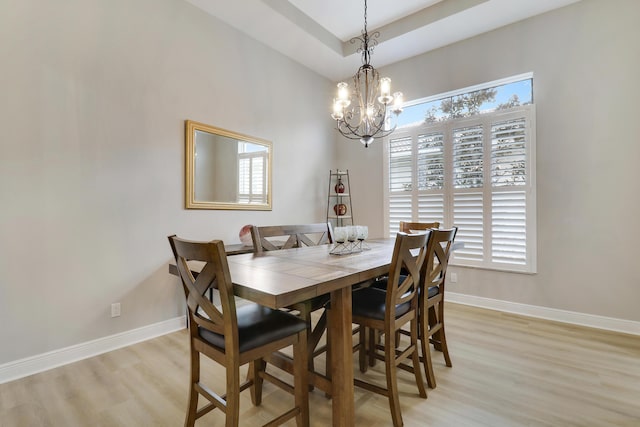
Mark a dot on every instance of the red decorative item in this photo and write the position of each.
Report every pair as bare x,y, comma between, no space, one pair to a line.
339,186
340,209
245,235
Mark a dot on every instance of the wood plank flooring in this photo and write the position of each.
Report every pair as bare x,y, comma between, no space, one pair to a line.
507,370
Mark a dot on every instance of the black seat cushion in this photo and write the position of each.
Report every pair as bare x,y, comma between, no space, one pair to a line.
258,325
371,302
433,291
381,283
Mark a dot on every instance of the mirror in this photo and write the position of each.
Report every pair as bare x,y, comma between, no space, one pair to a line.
226,170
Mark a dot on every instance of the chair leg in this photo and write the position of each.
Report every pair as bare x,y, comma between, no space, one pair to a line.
415,357
314,339
233,395
190,419
443,344
426,352
364,349
327,363
301,383
436,315
433,320
256,368
374,339
392,380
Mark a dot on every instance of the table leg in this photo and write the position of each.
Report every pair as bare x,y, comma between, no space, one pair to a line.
342,358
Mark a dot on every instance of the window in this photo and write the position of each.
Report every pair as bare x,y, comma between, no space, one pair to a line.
252,165
475,171
489,97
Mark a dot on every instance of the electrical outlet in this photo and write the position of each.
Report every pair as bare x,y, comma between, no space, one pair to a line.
115,309
454,277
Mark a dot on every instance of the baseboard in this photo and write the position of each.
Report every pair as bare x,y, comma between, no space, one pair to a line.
43,362
572,317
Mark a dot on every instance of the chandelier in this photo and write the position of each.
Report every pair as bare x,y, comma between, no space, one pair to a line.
361,113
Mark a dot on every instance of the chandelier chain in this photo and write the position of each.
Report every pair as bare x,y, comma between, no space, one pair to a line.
365,16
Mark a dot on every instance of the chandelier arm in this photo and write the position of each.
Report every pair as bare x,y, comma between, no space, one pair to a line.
376,126
349,135
379,130
349,131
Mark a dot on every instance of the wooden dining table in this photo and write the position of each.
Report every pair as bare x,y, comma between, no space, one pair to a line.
281,278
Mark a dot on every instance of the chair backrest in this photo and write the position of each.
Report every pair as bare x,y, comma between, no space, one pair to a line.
276,237
410,227
438,252
405,270
215,274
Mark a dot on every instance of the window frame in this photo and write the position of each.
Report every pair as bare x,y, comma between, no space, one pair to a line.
487,190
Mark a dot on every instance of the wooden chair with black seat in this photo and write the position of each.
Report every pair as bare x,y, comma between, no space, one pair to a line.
278,237
233,336
433,279
431,304
381,282
388,311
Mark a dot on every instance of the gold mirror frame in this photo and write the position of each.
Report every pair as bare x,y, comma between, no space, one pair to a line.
224,137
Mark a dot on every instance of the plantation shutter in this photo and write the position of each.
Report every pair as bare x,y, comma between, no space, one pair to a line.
508,208
244,179
400,182
468,206
475,173
252,177
431,176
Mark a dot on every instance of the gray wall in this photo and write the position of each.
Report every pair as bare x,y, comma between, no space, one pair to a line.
93,98
586,66
94,94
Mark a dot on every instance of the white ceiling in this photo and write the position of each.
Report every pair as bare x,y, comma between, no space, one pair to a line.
316,33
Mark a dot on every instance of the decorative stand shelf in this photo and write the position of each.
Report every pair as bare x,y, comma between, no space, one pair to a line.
339,210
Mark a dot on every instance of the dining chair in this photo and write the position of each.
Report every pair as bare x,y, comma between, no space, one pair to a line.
381,282
432,286
235,335
271,237
278,237
388,312
431,328
412,227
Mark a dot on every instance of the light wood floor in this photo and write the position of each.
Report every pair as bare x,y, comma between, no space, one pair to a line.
507,371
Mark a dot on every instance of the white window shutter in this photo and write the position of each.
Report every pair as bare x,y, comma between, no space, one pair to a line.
476,173
508,227
400,209
508,153
431,208
468,216
400,164
467,157
431,161
257,179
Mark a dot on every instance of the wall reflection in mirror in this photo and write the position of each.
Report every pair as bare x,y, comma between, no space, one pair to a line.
226,170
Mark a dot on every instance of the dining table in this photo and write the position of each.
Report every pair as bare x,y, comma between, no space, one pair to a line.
278,279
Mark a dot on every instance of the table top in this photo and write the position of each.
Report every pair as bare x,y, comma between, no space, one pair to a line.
280,278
